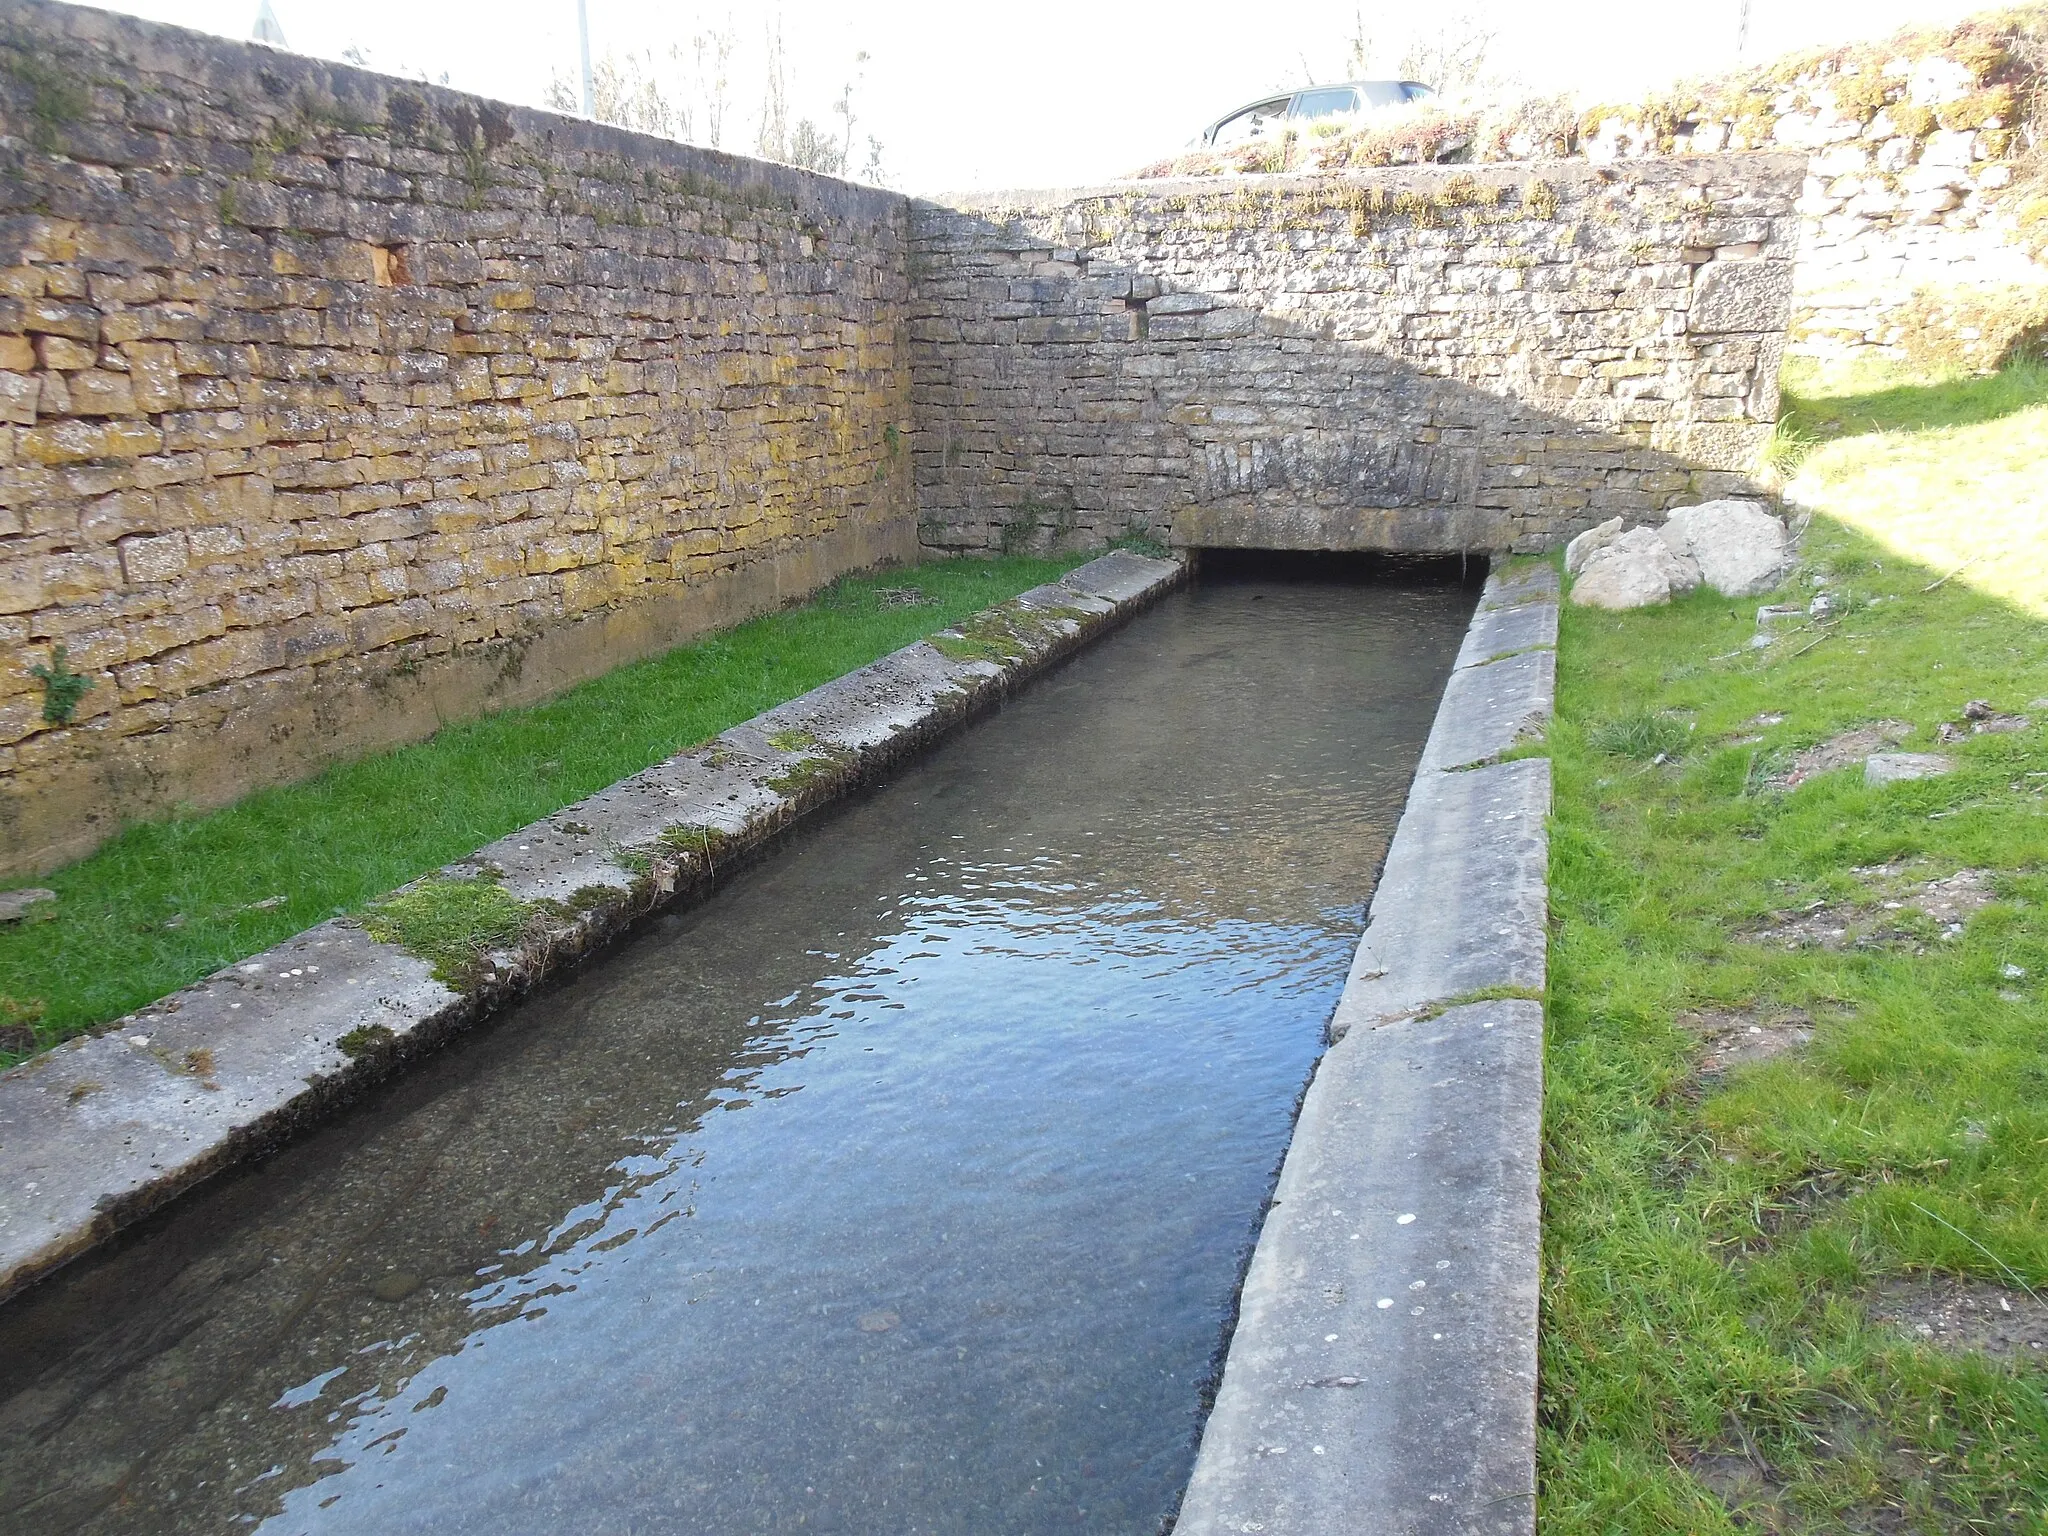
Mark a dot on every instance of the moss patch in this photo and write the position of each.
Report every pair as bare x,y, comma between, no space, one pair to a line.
365,1040
1004,634
451,923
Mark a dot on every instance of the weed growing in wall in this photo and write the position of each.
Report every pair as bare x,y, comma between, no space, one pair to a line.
63,688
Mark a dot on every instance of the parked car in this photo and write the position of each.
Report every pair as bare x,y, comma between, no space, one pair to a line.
1352,98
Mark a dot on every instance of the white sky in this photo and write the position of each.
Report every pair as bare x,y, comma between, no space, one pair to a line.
1044,92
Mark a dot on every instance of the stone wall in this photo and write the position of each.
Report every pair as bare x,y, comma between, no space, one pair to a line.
1925,207
334,406
1926,217
1431,359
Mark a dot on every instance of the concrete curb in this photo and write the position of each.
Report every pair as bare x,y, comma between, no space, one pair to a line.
1382,1376
106,1128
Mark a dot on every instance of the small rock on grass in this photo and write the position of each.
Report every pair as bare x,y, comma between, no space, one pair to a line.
14,905
1984,717
1838,751
1881,768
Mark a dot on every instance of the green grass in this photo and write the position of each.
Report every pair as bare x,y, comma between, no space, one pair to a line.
1711,1245
450,922
1944,471
168,902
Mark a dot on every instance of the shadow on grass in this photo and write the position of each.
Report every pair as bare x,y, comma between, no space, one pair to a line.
1914,407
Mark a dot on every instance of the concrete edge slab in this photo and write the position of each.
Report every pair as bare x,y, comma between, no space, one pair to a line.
1382,1374
98,1132
1490,709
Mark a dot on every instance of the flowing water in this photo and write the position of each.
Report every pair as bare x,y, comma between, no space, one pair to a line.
903,1187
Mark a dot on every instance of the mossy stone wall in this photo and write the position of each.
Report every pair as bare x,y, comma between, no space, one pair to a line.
333,406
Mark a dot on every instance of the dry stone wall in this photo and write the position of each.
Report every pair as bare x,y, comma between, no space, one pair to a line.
1430,359
1917,242
334,406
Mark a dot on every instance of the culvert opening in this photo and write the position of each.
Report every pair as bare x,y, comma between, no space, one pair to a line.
906,1185
1340,567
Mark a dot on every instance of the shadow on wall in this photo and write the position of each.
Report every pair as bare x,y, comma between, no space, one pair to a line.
1441,359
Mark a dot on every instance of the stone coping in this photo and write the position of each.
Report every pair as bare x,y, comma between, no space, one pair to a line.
1687,168
1382,1375
97,1132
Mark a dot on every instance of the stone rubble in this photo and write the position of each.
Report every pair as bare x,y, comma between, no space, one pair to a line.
1732,545
1636,570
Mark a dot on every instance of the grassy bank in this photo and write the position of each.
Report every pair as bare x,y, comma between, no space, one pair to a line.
1798,1063
1951,472
168,902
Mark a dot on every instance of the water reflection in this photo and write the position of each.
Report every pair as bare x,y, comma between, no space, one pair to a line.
904,1187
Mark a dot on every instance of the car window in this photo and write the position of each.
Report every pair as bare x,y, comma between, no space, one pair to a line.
1418,92
1384,93
1326,102
1251,123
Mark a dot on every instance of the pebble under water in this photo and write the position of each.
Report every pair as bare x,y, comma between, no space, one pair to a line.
905,1186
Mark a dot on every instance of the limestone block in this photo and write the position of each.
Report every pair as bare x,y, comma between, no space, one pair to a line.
1840,160
1636,570
1928,178
1590,543
101,392
1944,147
1740,549
1740,296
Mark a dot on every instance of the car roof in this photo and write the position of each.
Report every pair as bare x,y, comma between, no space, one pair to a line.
1289,95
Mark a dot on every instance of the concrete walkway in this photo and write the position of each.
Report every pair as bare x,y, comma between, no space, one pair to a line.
1382,1377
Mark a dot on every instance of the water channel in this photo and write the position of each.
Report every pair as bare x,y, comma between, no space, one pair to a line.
904,1187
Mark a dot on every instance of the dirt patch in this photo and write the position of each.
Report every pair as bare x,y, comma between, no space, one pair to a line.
1755,1493
1905,909
1752,1492
1842,750
1735,1038
1966,1315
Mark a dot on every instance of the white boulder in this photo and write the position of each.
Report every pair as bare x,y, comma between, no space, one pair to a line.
1739,548
1634,570
1589,544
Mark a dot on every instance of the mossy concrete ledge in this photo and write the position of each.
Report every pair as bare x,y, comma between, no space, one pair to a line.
1382,1375
100,1131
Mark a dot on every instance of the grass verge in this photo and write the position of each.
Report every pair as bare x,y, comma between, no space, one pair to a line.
168,902
1720,1233
1947,471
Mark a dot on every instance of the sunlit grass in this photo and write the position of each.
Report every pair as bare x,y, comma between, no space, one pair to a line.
168,902
1711,1246
1950,472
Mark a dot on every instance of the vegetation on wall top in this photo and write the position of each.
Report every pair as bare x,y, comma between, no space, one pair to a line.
1987,75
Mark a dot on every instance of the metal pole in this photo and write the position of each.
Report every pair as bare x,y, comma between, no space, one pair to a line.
583,36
